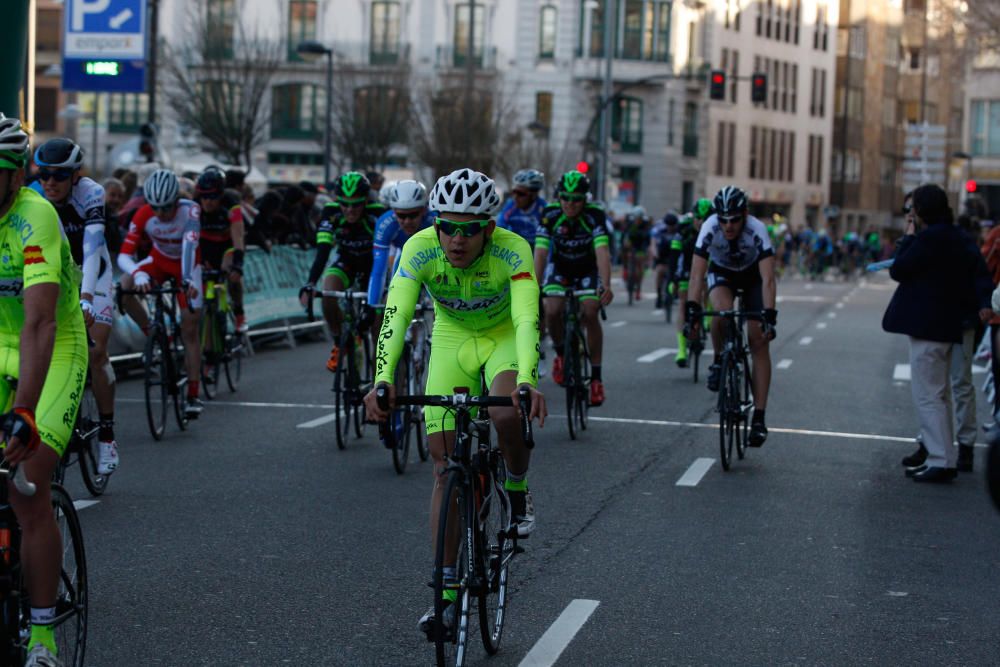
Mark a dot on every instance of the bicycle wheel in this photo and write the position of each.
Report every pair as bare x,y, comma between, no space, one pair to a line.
420,381
451,643
571,377
340,384
403,415
668,302
746,407
727,423
209,378
211,349
495,554
87,447
157,377
361,374
179,388
583,388
235,347
72,597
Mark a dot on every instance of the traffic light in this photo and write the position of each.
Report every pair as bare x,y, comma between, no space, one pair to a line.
717,84
971,186
758,87
583,166
147,141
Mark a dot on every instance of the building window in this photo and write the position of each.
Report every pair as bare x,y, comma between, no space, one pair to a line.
888,170
671,119
753,151
731,150
984,128
301,25
790,163
126,111
46,108
733,74
626,124
543,109
690,129
221,26
462,34
720,150
914,58
373,106
857,45
384,47
687,195
295,111
630,178
643,29
795,88
818,173
547,32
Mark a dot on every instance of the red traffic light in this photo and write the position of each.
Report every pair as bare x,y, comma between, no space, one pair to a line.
970,185
718,78
582,167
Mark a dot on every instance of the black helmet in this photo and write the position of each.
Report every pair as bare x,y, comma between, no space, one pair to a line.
211,183
351,187
730,201
573,183
670,220
59,154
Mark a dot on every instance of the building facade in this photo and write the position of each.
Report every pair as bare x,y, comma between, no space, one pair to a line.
981,134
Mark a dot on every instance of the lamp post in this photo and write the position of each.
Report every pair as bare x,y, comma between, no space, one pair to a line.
313,51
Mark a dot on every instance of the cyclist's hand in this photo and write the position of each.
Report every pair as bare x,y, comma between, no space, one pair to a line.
770,323
190,290
142,281
372,409
538,409
607,296
306,294
19,431
367,317
88,312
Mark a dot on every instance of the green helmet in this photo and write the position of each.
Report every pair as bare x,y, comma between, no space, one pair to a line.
573,183
351,187
13,144
702,208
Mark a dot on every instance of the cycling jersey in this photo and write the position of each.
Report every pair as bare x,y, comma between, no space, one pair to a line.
664,241
389,234
175,246
353,242
572,243
216,233
638,235
83,220
683,245
521,222
750,247
497,295
35,250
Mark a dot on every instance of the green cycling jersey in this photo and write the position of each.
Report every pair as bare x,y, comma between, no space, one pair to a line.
497,288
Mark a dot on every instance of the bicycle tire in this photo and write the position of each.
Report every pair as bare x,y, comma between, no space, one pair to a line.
179,388
156,379
14,607
361,374
452,650
570,379
209,379
726,423
746,408
210,350
668,302
423,445
342,420
496,551
87,445
583,391
72,598
401,448
235,347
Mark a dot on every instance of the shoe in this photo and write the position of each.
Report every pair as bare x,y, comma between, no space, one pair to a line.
917,458
911,471
934,474
596,393
758,434
40,656
965,458
714,375
331,363
659,302
522,510
557,370
541,364
428,622
682,362
193,407
638,296
241,324
107,461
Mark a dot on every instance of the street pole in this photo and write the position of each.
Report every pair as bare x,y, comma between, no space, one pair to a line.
154,31
470,82
606,114
13,54
328,134
97,117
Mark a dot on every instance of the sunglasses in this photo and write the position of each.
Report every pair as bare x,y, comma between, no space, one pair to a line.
408,216
520,193
466,229
168,207
572,198
907,210
59,175
351,203
730,221
209,195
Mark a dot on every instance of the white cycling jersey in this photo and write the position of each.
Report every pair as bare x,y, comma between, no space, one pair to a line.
753,245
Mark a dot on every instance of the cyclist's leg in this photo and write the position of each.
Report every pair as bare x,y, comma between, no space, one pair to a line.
760,347
101,373
131,303
720,294
190,330
335,278
590,318
553,292
235,284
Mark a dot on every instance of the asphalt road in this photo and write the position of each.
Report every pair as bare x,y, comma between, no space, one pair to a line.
248,540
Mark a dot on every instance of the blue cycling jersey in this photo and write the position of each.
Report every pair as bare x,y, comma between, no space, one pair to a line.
523,223
388,234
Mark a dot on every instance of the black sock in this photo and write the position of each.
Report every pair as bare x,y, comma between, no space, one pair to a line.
595,373
758,416
106,428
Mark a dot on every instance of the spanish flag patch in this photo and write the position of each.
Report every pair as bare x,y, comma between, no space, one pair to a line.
521,276
33,255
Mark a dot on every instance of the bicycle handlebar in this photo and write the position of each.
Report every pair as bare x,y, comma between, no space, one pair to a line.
21,483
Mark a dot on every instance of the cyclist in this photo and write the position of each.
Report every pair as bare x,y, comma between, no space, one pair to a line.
635,242
79,202
486,317
222,235
571,250
523,212
735,253
43,343
349,224
172,225
663,251
690,225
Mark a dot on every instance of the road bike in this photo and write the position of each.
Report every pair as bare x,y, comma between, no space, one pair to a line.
633,275
223,345
83,448
475,532
576,363
735,402
696,346
163,358
411,376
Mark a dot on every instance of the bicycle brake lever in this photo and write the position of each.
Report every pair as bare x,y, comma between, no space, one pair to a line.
21,483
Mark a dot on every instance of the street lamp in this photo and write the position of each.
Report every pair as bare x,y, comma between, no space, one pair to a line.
312,51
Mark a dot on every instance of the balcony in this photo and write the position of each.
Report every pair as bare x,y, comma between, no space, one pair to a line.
690,145
448,56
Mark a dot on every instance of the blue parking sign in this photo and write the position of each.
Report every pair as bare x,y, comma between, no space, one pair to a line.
104,45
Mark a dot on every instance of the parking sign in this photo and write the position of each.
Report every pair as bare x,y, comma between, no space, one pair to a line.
104,45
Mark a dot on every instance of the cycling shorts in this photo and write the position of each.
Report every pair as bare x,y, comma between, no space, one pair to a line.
457,355
160,269
55,414
555,283
746,283
213,255
104,299
348,271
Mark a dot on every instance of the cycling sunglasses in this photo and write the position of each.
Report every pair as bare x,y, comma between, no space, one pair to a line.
168,207
59,175
351,203
571,198
408,216
209,195
732,220
466,229
520,193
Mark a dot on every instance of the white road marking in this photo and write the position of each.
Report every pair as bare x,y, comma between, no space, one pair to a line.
555,640
808,286
84,504
805,340
901,372
326,419
119,19
801,299
249,404
784,363
831,315
840,305
821,325
620,323
695,472
656,354
658,312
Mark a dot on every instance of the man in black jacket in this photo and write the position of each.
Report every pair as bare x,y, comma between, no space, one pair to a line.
937,271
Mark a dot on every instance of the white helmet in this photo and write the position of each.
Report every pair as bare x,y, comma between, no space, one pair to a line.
383,193
465,191
13,144
405,195
530,178
161,188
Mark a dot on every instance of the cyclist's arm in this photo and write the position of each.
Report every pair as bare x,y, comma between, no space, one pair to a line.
135,231
524,293
237,229
769,288
603,253
543,242
324,245
189,244
93,242
404,290
376,280
699,265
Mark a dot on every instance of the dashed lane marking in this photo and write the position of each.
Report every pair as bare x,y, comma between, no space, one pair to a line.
555,640
831,315
326,419
656,354
901,373
805,340
250,404
821,325
620,323
695,472
840,305
784,363
84,504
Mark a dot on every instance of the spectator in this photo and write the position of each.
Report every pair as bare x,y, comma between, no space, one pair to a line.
936,272
114,199
236,179
130,180
261,231
377,180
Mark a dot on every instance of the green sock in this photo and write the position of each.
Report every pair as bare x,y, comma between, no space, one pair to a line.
44,635
450,595
682,346
516,485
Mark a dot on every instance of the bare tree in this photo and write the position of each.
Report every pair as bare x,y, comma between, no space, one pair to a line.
219,79
982,19
370,110
534,149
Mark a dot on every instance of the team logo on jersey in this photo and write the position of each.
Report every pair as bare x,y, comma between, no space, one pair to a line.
33,255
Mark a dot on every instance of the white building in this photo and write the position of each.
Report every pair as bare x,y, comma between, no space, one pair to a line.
981,135
778,151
